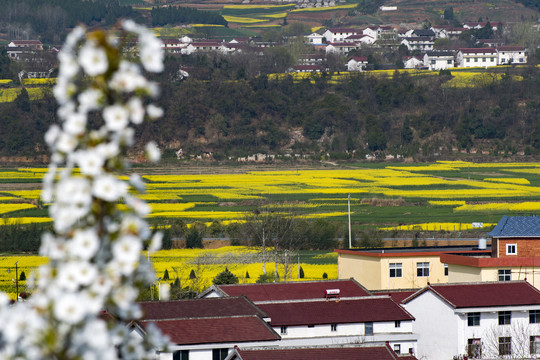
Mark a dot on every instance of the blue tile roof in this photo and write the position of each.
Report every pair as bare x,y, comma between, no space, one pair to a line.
517,226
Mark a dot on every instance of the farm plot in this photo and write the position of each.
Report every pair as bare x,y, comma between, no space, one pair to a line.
383,196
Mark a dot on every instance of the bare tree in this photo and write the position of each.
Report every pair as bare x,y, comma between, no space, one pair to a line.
509,341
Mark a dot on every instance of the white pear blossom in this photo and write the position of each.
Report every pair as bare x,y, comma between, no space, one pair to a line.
94,247
153,152
93,59
116,117
90,162
109,188
154,111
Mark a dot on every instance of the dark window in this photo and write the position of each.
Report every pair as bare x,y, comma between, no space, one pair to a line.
333,327
511,249
397,348
473,319
397,323
422,269
181,355
445,269
505,275
474,348
535,345
284,330
505,345
534,316
311,326
369,328
219,354
395,270
505,317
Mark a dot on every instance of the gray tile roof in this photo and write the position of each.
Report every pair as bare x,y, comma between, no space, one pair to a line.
517,226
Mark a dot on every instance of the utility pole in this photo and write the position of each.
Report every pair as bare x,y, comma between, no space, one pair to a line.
16,282
349,206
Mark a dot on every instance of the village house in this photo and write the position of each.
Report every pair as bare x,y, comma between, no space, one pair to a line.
420,43
344,320
357,63
206,329
360,39
512,55
439,60
476,320
413,62
345,352
514,255
288,291
342,48
315,38
477,57
399,267
336,35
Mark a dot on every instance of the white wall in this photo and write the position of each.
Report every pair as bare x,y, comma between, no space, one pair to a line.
355,329
436,326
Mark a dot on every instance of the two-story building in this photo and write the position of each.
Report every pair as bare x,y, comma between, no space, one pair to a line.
439,60
477,320
399,267
477,57
515,254
512,55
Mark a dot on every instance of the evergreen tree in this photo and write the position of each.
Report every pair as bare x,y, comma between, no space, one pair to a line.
301,273
166,275
225,277
22,277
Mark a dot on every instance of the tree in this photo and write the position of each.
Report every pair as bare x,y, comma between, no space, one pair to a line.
301,273
225,277
449,13
166,275
22,277
23,101
194,238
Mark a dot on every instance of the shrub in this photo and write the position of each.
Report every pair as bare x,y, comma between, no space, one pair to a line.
166,275
225,277
301,273
325,276
265,278
22,277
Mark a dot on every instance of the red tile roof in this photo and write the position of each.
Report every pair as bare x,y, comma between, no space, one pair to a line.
478,50
198,308
316,312
371,352
510,48
397,295
508,293
216,330
294,290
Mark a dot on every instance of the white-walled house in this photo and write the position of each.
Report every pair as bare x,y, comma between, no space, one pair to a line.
512,55
315,38
439,60
369,319
477,57
421,43
339,34
476,320
357,63
412,62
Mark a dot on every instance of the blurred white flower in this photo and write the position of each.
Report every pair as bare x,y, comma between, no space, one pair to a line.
154,111
66,142
127,248
84,243
93,59
69,308
116,117
90,162
108,188
156,242
128,78
52,134
136,110
152,151
90,100
108,150
75,124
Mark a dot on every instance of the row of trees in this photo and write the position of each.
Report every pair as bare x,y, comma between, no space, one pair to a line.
183,15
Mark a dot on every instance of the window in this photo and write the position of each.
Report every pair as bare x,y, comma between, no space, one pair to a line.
397,323
505,345
468,60
483,59
535,345
397,348
333,327
311,326
505,275
475,59
511,249
181,355
534,316
368,328
445,269
219,354
283,330
473,319
433,62
422,269
474,348
449,62
396,270
505,317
